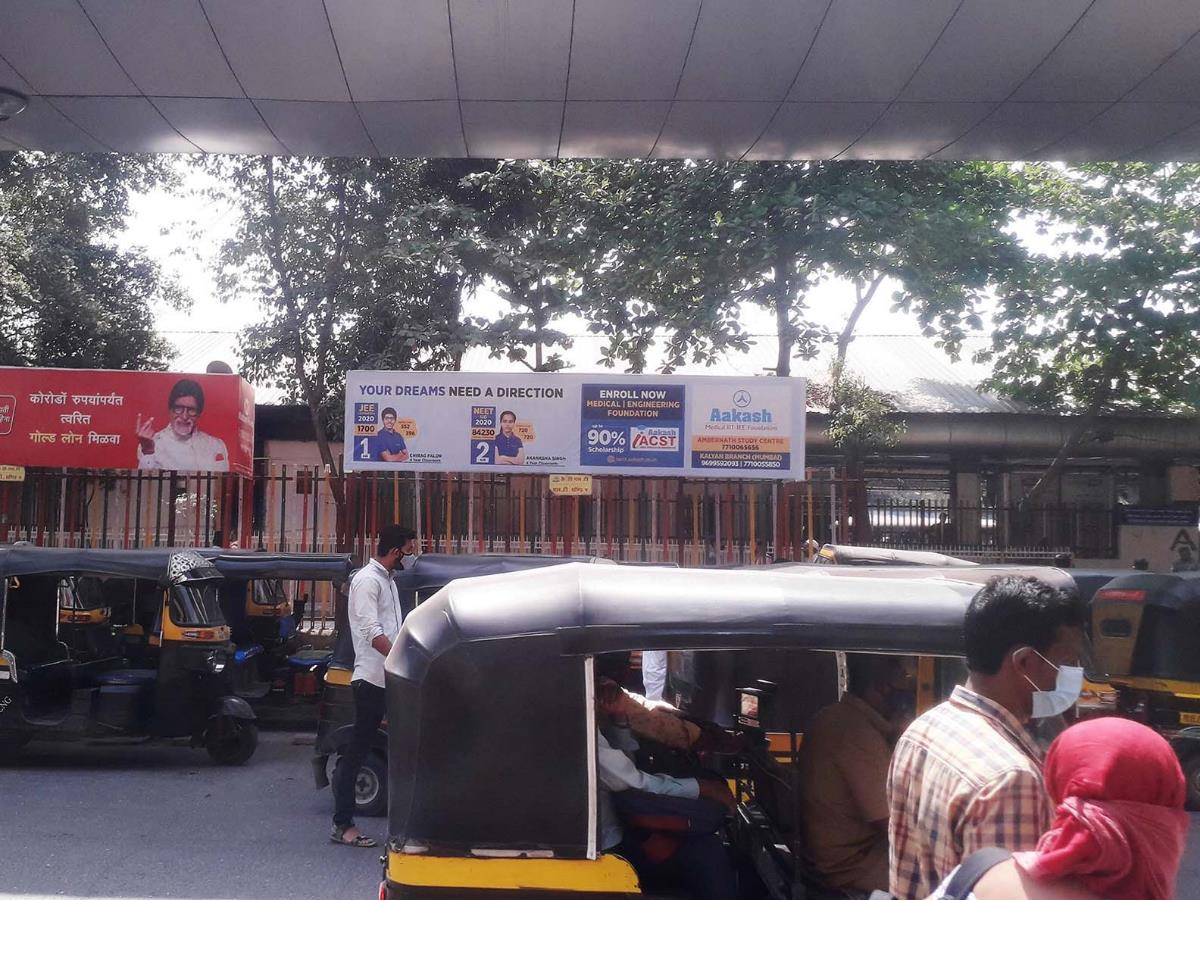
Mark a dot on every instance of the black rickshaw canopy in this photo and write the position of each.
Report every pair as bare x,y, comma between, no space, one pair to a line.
289,566
490,715
164,566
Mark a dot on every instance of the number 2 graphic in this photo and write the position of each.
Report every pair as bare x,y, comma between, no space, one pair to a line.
482,452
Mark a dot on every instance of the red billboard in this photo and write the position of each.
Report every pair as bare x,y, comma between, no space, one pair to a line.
126,420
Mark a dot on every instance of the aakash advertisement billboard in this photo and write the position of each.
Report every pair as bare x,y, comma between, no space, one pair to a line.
619,425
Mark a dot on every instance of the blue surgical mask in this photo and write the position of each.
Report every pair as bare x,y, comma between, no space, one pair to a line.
1067,687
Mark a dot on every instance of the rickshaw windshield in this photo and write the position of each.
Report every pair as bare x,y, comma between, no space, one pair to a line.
268,591
196,604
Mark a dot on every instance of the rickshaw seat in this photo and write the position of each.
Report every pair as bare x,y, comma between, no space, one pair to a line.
305,660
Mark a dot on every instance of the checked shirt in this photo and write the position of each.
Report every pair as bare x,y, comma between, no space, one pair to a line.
964,776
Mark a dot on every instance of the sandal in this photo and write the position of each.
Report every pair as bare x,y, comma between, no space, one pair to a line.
362,840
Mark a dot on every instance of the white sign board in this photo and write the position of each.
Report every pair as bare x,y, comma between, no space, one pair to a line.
615,424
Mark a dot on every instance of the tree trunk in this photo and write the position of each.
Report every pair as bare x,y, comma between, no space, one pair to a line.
1083,425
312,398
861,302
782,300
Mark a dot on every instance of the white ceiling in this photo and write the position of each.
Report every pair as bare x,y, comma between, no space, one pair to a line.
754,79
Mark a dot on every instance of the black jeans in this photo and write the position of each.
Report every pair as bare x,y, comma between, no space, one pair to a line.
369,709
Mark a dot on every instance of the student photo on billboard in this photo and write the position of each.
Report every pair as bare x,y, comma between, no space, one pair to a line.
389,445
510,450
180,444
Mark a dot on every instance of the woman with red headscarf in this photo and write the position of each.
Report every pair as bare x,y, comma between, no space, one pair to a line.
1119,825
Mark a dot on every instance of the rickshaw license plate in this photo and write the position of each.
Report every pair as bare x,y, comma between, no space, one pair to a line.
1189,717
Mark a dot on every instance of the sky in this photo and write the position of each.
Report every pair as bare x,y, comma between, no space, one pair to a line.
183,231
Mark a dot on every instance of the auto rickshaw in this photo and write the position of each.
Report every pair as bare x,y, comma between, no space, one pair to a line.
335,714
271,670
490,698
163,675
1146,639
85,618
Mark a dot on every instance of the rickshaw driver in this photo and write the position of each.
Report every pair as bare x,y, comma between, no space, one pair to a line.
842,770
695,856
375,616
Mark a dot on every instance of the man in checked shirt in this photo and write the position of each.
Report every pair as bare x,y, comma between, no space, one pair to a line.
967,774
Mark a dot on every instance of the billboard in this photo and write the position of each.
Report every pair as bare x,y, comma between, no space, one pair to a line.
623,424
116,420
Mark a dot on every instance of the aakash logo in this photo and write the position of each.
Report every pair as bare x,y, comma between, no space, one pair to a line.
654,439
741,398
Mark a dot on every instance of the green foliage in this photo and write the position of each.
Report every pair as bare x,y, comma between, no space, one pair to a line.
1108,315
70,294
315,246
691,243
860,419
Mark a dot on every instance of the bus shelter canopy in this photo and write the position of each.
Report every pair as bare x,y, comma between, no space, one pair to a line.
727,79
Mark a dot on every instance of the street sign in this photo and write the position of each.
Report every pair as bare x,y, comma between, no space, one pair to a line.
570,484
12,474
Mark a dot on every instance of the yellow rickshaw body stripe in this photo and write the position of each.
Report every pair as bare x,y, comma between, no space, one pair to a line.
607,874
1185,689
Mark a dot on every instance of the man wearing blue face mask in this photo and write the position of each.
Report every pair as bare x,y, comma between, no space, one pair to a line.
967,774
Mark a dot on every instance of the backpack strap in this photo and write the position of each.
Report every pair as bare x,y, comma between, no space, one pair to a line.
967,876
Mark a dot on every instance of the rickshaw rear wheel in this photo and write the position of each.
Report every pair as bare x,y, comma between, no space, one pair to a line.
231,741
370,786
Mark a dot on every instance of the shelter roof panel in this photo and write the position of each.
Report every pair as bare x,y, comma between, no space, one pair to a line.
166,46
221,125
1183,145
749,49
712,129
43,126
815,130
1112,49
512,129
280,49
612,129
1176,80
54,45
1018,39
1125,129
867,51
394,51
629,49
914,130
511,51
734,72
305,127
129,124
1017,130
413,129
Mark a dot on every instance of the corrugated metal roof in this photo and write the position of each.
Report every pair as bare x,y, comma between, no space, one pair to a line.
196,348
921,377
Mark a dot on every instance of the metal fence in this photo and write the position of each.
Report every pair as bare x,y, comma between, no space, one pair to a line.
691,522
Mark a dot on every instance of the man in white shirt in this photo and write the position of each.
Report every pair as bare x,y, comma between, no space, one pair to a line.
180,445
654,673
375,617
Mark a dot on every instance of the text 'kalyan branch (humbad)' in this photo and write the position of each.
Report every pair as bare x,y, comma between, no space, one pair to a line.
648,425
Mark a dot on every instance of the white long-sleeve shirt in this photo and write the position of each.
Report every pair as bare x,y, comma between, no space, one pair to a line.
374,610
654,673
198,453
616,772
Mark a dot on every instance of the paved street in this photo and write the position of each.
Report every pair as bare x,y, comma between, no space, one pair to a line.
163,822
160,821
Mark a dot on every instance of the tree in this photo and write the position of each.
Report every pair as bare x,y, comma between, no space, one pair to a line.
314,245
523,228
70,294
1107,316
700,240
